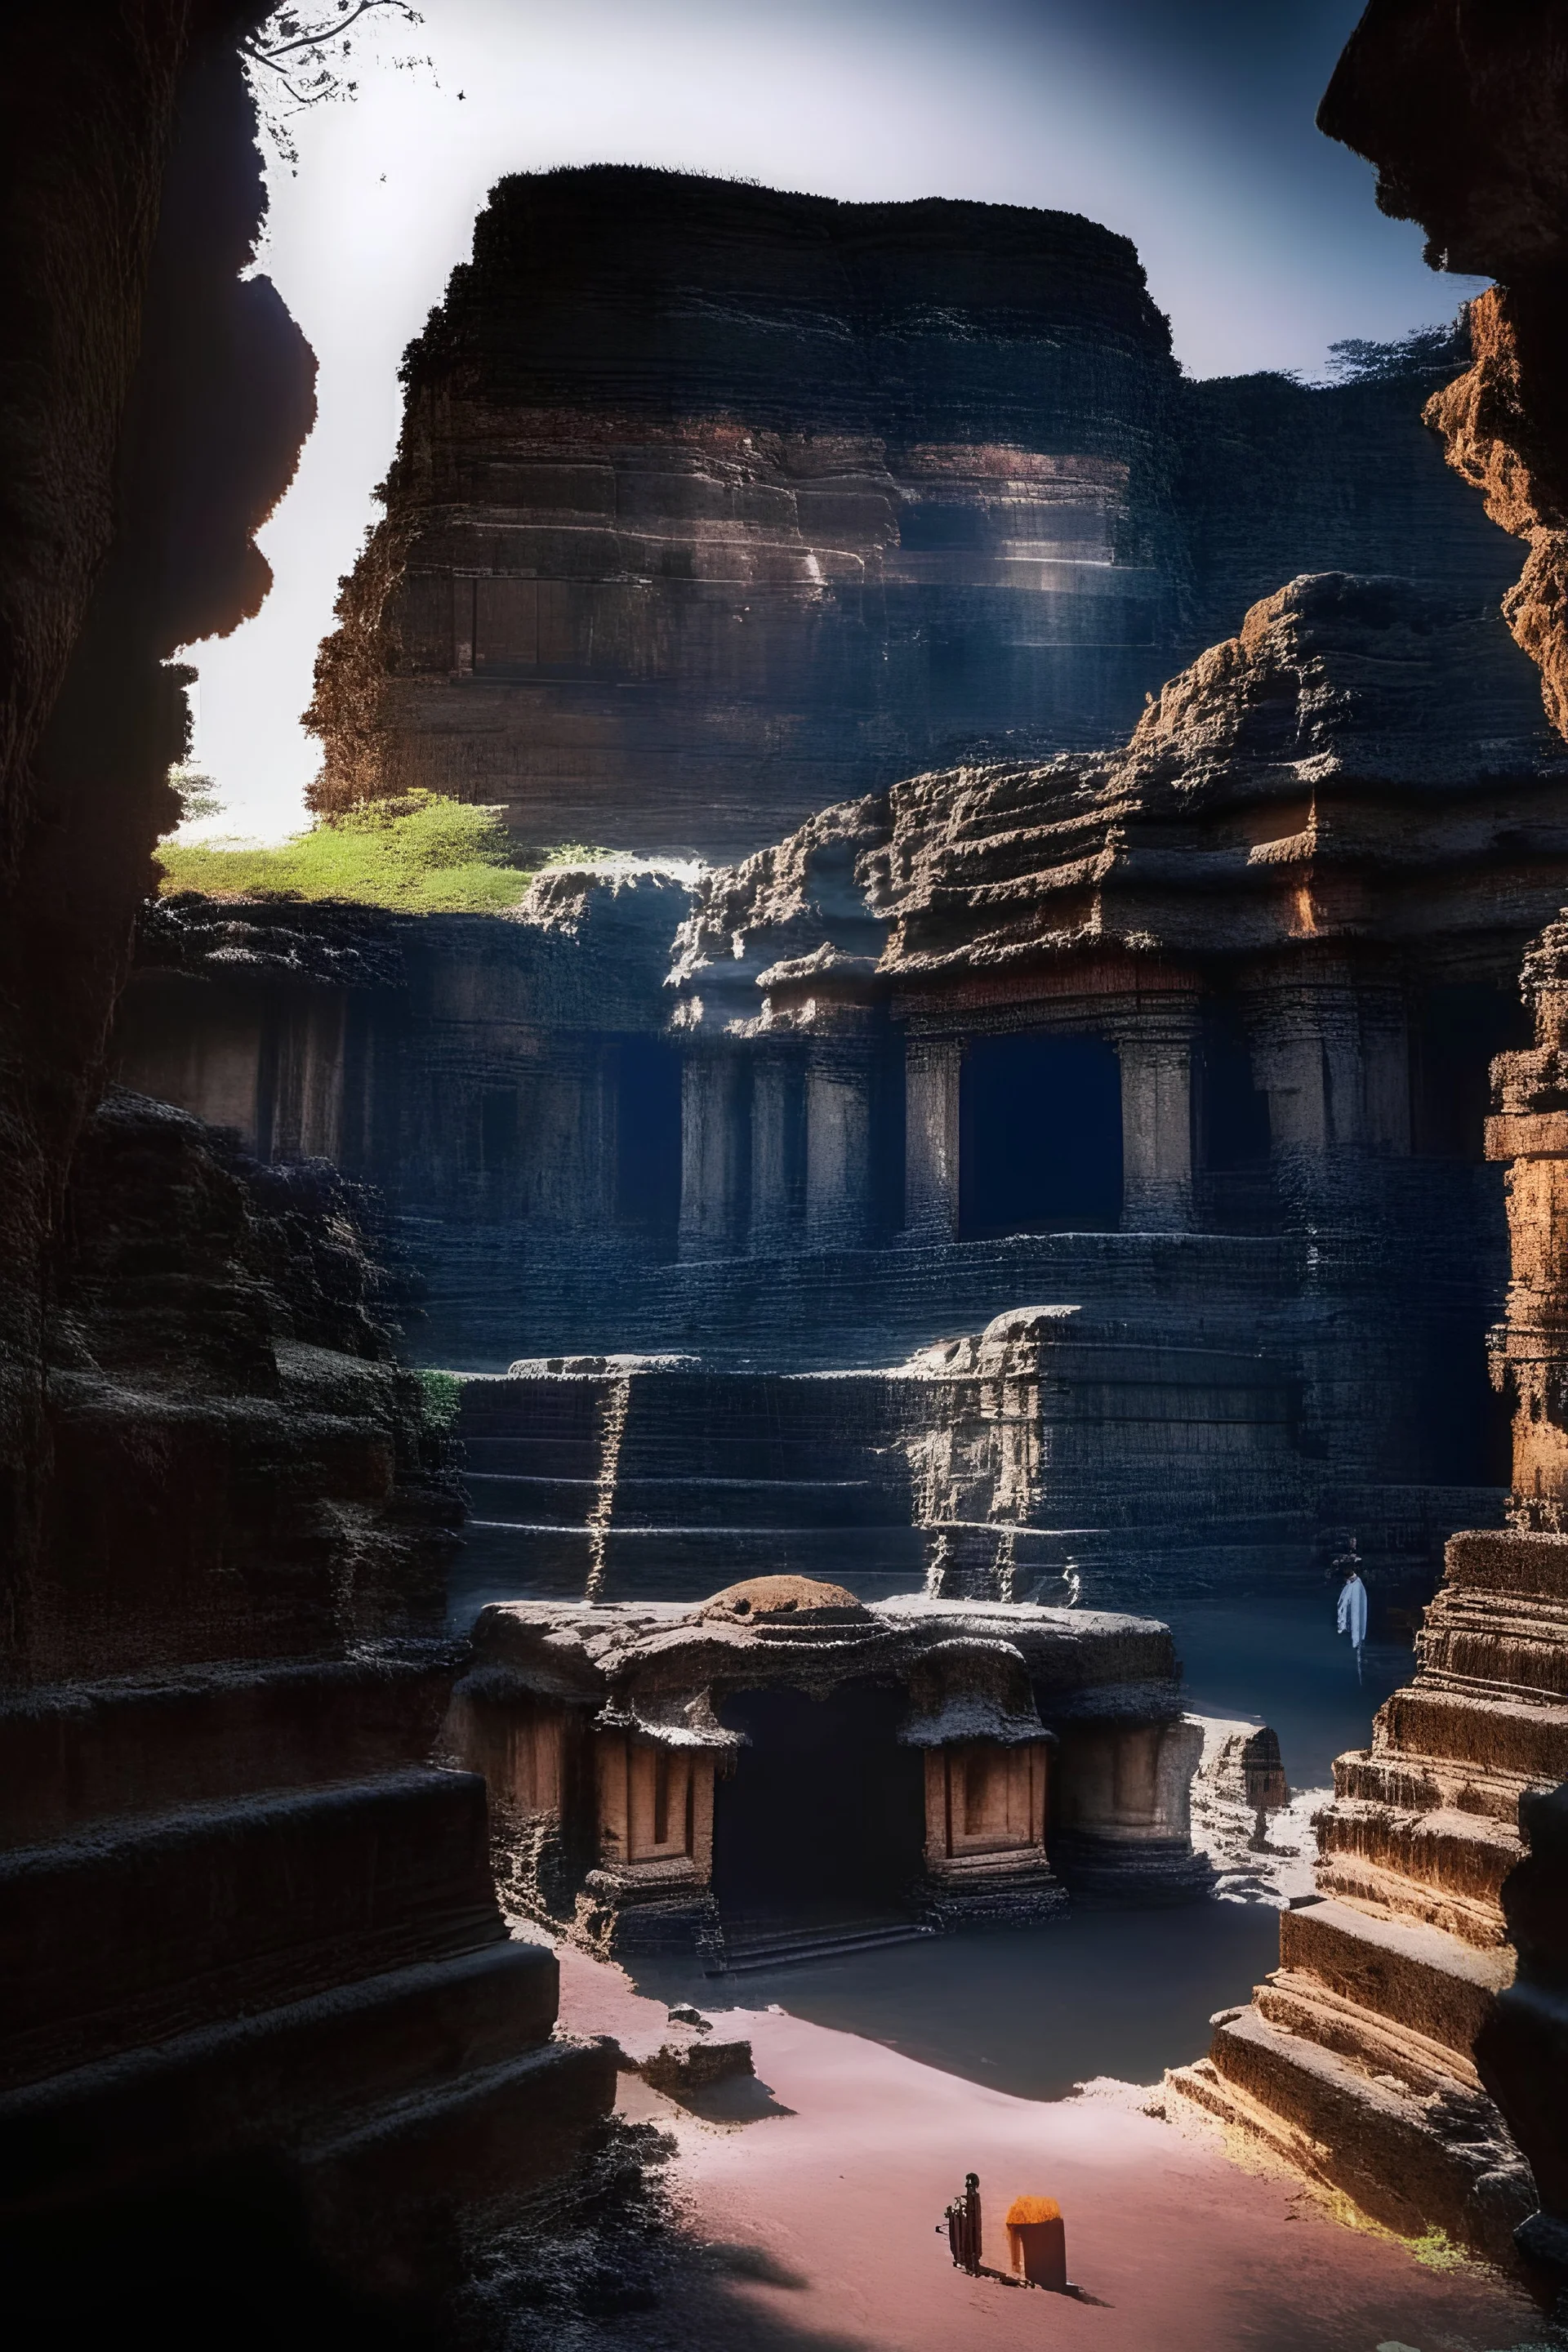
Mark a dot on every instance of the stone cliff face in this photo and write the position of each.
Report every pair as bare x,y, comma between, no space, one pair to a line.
1461,109
712,499
263,2034
713,505
1364,760
1434,1970
154,403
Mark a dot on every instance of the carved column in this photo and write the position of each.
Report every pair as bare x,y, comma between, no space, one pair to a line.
1157,1125
778,1116
932,1072
715,1153
840,1189
1123,1807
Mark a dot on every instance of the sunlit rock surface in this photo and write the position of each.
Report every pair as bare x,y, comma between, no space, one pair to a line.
1443,1938
714,505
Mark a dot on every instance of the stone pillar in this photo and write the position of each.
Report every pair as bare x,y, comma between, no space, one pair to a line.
1157,1127
715,1153
1123,1807
778,1114
841,1192
984,1842
932,1071
1330,1046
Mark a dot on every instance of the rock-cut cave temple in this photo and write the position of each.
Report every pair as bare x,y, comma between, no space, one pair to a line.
1041,1103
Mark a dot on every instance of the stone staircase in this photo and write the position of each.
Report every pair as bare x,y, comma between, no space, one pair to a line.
1356,2061
241,1917
667,1483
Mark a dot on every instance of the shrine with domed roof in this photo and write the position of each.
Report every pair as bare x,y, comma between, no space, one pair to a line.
785,1759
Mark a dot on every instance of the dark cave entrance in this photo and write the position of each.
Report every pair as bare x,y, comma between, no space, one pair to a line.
825,1813
1040,1137
1459,1030
648,1135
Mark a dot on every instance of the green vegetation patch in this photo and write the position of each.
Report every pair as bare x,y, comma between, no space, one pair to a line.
421,855
443,1399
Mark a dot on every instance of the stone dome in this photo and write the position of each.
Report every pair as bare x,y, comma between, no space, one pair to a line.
774,1600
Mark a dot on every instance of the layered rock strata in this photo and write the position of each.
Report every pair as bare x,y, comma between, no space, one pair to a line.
1054,1447
1411,2047
784,1754
714,504
1358,2060
266,2046
250,1933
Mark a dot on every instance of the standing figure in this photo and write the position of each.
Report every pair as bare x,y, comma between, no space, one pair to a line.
964,2226
1352,1617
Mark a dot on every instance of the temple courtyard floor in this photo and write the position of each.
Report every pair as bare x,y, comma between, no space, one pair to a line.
817,2188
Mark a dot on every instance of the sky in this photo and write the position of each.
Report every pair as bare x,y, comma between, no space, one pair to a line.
1185,124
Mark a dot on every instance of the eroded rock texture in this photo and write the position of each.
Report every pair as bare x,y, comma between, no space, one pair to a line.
1461,107
713,505
264,2037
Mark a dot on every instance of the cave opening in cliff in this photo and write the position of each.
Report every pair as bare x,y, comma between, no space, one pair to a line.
1040,1137
648,1135
825,1813
1460,1028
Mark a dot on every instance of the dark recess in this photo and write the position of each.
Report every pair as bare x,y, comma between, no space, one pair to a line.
1040,1147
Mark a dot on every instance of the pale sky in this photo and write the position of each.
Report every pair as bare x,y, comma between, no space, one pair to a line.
1185,124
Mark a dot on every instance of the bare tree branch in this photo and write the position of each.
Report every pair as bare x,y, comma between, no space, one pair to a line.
303,49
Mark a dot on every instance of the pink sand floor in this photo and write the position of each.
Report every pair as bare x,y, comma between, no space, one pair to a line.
835,2199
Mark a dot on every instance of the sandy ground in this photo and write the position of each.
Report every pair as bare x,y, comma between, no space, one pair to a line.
822,2186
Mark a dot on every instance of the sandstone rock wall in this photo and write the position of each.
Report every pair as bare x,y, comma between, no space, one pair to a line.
1433,1973
154,406
265,2042
713,505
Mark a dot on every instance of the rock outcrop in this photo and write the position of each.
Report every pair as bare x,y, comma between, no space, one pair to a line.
265,2044
714,504
154,400
251,1950
1461,108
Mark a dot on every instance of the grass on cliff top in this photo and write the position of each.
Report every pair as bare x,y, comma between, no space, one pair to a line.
422,854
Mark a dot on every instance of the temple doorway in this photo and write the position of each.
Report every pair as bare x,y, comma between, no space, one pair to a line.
824,1817
1040,1137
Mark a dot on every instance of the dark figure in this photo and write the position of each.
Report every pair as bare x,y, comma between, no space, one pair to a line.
964,2226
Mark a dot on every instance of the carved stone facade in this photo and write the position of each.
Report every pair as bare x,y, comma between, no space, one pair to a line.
1187,1042
670,1776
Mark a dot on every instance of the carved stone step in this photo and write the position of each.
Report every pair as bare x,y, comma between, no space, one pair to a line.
1501,1733
1433,1983
384,2196
1506,1642
169,1923
1410,2162
1354,1879
1463,1855
73,1754
1427,1784
1375,2046
275,2075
